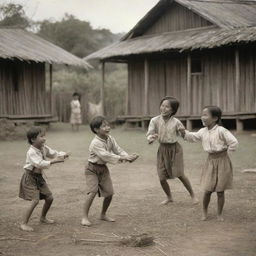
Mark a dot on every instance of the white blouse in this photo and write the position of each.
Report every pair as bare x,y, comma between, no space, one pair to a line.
168,131
75,106
36,158
105,151
215,140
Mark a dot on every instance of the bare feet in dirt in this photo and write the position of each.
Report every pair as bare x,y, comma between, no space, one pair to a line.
106,218
46,221
195,200
25,227
86,222
220,218
204,216
167,201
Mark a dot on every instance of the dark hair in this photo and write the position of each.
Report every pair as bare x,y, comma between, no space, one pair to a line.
76,94
97,122
215,112
33,132
174,103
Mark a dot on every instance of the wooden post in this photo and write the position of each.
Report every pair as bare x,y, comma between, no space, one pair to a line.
189,105
127,110
102,94
239,125
51,94
146,85
237,81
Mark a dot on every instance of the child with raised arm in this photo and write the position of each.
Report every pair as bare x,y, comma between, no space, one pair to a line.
102,150
165,128
217,174
33,187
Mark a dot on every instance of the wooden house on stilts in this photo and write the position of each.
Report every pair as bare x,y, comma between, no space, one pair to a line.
24,60
201,51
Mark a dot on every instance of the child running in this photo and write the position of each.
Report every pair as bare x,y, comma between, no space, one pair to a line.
217,175
165,128
33,187
102,150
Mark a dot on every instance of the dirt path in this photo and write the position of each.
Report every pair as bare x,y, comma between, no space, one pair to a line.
176,227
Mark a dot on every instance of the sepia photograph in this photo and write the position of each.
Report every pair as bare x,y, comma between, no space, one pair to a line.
128,128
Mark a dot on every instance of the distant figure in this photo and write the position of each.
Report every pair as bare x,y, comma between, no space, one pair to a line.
165,128
217,174
102,150
94,110
75,118
33,187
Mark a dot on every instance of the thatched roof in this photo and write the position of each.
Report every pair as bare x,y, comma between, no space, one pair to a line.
223,13
26,46
234,21
179,41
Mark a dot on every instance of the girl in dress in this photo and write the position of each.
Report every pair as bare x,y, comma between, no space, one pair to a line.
75,118
165,128
217,175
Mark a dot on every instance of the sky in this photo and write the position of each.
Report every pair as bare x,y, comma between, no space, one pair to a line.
116,15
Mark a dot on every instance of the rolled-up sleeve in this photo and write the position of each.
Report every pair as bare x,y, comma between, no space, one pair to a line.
51,153
104,154
230,139
193,136
151,130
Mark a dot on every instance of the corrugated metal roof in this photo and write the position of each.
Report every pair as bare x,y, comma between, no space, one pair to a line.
179,41
26,46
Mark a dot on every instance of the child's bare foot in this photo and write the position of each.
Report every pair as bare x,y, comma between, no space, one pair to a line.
86,222
195,200
106,218
204,216
25,227
46,221
220,218
167,201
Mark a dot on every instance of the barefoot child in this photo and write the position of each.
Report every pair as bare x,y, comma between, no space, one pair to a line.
33,187
165,128
103,149
217,141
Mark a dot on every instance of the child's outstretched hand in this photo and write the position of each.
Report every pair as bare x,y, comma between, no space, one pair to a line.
67,155
153,138
129,158
58,159
133,157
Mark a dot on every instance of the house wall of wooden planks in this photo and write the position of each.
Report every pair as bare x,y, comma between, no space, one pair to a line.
216,84
22,89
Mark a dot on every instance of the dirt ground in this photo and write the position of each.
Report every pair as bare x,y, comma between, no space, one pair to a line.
176,227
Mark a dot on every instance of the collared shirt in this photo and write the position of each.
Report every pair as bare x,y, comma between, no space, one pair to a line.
36,158
168,131
105,151
215,140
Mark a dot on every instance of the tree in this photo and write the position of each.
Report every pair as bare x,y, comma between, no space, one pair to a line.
13,15
75,36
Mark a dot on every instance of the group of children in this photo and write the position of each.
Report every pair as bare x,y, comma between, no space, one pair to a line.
217,172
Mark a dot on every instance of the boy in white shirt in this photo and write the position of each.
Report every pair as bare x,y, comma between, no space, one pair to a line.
33,187
102,150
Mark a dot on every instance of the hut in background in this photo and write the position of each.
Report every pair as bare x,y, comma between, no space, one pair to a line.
24,60
201,51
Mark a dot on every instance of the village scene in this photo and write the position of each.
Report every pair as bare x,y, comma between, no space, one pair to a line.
128,128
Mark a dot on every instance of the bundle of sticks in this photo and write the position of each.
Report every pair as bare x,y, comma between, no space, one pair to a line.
139,240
